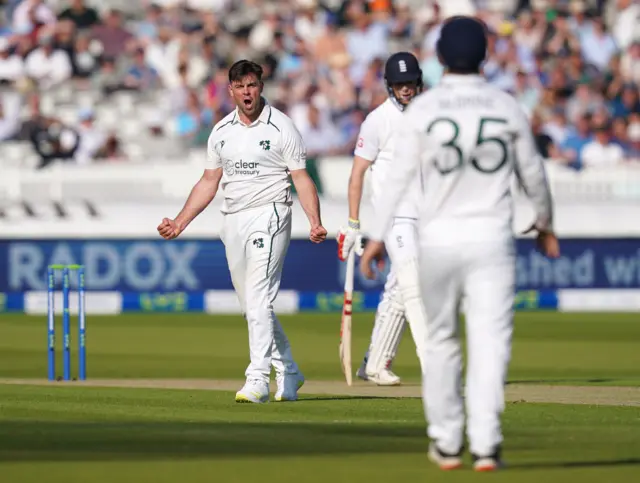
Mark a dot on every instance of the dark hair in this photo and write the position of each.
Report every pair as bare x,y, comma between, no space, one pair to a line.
242,69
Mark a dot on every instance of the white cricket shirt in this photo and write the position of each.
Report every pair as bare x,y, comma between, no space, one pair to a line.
465,139
376,144
256,159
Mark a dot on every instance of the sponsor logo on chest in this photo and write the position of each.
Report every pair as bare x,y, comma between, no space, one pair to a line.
247,168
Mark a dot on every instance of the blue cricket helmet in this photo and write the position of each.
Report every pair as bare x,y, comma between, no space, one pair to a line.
463,42
402,67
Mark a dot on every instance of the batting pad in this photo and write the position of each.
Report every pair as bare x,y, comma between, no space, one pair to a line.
409,286
389,326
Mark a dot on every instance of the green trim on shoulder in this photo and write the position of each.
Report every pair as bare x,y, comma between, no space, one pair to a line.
272,237
227,123
269,120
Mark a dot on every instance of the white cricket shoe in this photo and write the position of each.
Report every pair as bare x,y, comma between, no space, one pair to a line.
254,391
444,460
490,462
385,377
288,386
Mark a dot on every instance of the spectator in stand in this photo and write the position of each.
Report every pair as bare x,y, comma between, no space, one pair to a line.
557,127
633,135
64,35
108,79
53,140
140,76
571,149
94,143
31,14
216,97
11,65
366,41
602,151
85,57
543,141
48,66
194,121
80,14
525,92
630,64
114,38
626,102
565,61
10,105
620,134
321,136
162,55
584,100
626,28
147,29
598,47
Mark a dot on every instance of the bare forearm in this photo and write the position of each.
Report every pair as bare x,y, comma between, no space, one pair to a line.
356,185
355,196
308,195
200,197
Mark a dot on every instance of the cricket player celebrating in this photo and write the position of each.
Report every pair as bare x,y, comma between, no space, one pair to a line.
464,140
374,151
252,152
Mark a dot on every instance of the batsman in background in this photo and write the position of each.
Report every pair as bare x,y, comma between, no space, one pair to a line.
252,152
465,140
374,150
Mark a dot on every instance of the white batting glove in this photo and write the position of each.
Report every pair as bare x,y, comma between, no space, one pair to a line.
349,239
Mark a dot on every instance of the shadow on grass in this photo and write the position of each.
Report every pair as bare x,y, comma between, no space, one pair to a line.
52,441
352,398
563,381
574,464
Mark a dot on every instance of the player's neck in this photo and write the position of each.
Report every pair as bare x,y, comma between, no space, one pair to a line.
248,120
457,72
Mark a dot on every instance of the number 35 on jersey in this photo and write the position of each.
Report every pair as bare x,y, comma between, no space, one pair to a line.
485,148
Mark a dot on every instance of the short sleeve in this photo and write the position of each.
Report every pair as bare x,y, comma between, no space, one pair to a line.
213,152
368,144
294,151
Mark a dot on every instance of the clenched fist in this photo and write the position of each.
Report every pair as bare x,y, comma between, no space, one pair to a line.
318,234
168,229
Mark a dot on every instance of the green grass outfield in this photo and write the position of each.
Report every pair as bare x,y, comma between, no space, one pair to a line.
54,432
548,348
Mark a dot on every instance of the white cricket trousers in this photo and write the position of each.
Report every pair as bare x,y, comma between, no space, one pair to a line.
256,242
481,276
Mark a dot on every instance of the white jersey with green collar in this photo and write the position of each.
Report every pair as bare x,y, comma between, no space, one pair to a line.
256,159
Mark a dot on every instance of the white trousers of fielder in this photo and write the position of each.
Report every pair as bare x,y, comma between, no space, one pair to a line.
400,300
481,276
256,242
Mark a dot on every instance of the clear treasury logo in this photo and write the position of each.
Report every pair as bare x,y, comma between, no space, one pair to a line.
232,167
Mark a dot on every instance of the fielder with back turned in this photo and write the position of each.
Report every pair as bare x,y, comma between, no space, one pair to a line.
374,151
464,140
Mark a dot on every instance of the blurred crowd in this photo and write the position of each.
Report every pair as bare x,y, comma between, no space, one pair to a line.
573,65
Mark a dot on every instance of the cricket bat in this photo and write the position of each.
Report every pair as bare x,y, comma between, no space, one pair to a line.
345,327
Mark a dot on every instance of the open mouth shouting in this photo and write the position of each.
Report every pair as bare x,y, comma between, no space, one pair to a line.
246,93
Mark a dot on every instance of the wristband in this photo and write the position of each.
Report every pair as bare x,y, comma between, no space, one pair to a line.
355,224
